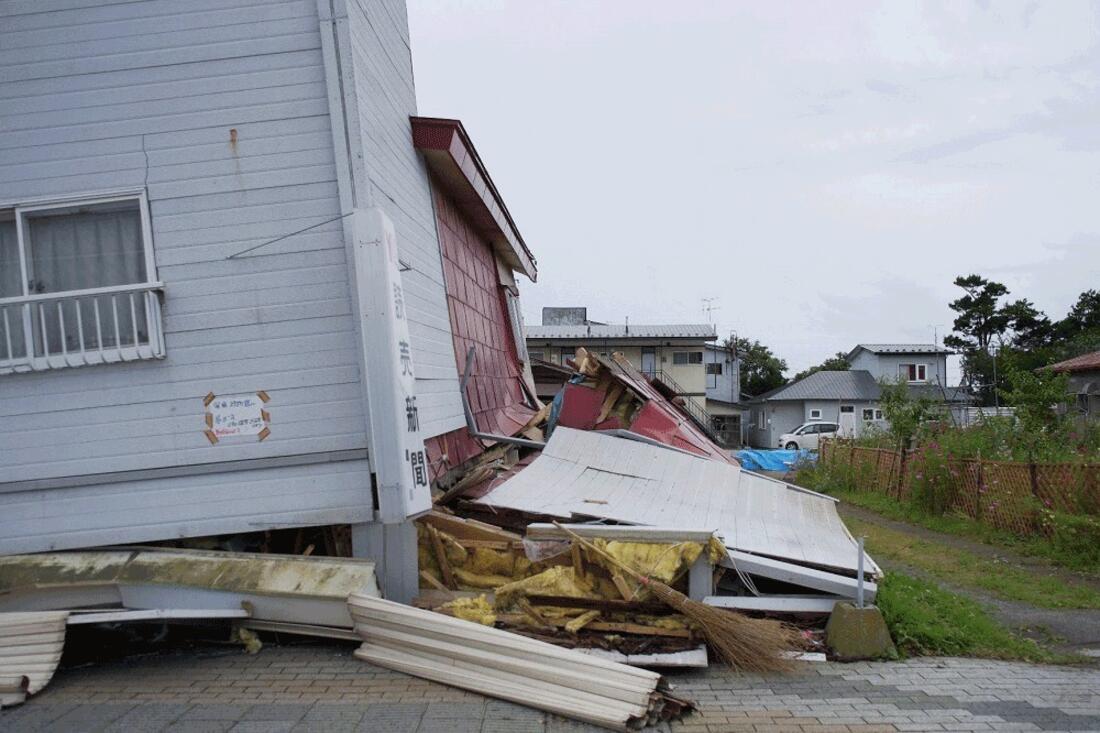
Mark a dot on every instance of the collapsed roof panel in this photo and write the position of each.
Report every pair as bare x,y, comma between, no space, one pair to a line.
588,474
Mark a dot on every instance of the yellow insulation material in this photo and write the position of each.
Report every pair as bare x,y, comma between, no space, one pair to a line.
665,563
473,568
477,610
555,581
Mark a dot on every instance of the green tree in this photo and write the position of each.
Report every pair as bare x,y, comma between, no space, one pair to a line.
1035,393
994,337
761,370
836,363
1083,316
903,413
1079,332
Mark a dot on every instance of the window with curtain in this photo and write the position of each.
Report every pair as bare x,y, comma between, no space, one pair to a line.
68,273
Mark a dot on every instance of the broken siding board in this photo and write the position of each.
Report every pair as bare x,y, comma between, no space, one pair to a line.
786,572
45,631
155,614
778,604
505,665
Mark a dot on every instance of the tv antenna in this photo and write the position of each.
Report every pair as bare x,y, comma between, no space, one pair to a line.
709,307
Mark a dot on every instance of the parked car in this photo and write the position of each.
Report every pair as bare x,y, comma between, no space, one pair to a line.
807,435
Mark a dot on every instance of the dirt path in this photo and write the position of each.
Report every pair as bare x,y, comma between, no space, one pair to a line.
1064,629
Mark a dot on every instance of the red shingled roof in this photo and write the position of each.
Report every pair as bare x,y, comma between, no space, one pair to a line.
1085,362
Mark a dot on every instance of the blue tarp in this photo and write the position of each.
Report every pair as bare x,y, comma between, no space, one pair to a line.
772,460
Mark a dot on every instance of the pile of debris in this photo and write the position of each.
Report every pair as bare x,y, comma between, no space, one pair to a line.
608,534
548,587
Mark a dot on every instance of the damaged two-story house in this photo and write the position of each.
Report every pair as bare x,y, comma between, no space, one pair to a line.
239,278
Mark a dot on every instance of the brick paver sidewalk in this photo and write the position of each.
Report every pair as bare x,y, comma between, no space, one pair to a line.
322,687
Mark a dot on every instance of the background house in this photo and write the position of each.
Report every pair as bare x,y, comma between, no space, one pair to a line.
1084,382
723,388
266,272
671,351
681,359
850,398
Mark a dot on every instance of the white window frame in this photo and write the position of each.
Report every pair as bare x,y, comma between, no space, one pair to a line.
711,364
149,291
878,414
815,414
919,370
868,411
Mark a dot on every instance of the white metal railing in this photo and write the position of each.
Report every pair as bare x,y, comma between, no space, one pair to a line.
81,328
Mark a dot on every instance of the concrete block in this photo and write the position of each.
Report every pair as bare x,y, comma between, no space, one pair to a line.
858,633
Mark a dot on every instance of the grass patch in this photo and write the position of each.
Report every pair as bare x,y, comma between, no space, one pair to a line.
926,620
962,568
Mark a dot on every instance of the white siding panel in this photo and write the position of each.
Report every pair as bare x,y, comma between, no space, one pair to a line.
98,95
141,511
398,183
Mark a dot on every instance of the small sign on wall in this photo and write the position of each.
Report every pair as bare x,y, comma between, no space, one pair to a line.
236,416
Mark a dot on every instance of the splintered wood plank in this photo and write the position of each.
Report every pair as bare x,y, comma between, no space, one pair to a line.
613,395
441,558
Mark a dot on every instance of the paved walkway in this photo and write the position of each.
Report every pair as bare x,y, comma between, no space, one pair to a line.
322,687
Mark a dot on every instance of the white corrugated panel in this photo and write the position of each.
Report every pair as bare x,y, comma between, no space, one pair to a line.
30,646
584,473
505,665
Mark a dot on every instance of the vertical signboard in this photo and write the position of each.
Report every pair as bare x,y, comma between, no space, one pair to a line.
396,446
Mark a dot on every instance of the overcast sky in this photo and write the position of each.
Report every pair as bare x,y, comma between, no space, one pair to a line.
823,170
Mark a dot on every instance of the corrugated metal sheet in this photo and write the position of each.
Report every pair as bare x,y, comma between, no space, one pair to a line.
586,474
504,665
682,330
30,646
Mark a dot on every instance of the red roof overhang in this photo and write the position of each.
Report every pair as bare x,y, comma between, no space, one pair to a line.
455,163
1082,363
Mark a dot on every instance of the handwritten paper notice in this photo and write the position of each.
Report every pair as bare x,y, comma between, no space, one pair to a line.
237,415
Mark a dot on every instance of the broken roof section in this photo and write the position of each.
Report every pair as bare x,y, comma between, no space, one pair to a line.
613,395
451,156
584,474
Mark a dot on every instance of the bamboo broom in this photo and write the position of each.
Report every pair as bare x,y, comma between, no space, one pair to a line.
746,644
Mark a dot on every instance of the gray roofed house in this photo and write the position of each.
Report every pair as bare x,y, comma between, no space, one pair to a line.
850,398
899,349
694,331
849,385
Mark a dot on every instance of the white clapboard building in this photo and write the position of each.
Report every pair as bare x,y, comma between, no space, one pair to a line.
223,306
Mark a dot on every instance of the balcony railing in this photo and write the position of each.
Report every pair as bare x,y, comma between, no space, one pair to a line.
81,328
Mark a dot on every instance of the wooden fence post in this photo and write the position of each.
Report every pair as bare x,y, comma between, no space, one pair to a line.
1033,475
978,496
901,473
